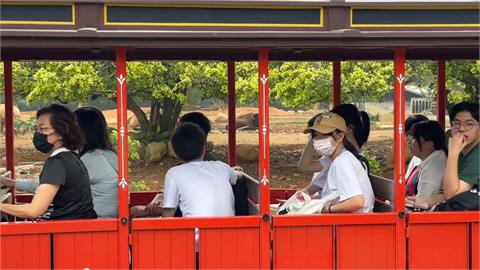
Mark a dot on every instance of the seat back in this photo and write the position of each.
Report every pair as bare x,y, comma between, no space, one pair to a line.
383,190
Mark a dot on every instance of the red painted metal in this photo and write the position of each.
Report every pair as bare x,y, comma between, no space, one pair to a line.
399,146
86,250
122,134
337,240
337,81
232,140
475,245
8,92
188,223
26,228
444,217
163,249
141,198
229,248
225,242
334,219
365,246
438,246
441,93
26,251
303,247
264,156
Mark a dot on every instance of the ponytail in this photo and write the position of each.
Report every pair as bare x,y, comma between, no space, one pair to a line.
355,152
362,133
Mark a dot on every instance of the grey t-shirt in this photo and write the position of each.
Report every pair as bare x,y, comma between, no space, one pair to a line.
102,166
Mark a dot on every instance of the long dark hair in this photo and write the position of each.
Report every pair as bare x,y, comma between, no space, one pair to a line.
430,131
358,121
64,124
94,128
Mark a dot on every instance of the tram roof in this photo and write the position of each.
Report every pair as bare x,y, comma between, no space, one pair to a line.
234,29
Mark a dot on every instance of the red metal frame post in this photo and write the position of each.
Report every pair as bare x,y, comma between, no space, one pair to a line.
122,134
337,78
441,93
399,146
232,128
8,92
264,157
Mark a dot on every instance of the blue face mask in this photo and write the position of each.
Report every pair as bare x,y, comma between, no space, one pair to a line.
40,141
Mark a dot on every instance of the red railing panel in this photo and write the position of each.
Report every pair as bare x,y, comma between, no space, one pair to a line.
366,246
94,250
162,249
31,251
439,246
303,247
475,245
229,248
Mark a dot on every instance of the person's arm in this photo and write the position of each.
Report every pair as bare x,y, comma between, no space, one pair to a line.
425,202
350,205
155,204
20,184
38,206
307,162
168,212
452,184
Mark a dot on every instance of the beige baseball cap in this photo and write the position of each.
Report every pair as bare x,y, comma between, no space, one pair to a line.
326,123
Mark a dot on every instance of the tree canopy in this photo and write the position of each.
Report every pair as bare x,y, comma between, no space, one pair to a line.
165,84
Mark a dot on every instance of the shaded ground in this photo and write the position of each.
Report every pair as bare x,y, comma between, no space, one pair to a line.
286,144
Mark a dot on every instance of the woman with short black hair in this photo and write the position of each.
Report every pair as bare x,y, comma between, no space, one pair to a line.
64,187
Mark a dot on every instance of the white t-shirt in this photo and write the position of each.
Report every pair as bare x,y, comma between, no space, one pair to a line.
347,176
319,178
201,189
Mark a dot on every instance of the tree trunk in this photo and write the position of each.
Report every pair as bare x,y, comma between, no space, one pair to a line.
137,110
154,115
171,111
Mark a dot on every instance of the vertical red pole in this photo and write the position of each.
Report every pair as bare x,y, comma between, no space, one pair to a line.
122,134
232,157
337,78
441,93
8,92
399,146
264,157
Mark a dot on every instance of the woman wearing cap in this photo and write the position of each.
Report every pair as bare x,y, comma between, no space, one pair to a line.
339,168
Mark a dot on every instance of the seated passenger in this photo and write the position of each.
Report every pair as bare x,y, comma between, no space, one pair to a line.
412,167
427,142
462,173
342,170
64,188
199,188
99,158
358,130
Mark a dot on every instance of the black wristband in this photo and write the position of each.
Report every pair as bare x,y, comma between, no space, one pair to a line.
329,210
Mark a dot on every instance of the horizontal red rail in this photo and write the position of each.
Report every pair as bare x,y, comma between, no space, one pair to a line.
334,219
190,223
443,217
87,225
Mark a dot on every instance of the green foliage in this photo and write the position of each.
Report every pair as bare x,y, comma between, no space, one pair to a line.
373,162
134,146
366,79
24,126
137,186
300,85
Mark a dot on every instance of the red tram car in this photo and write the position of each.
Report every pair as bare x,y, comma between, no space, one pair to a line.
232,31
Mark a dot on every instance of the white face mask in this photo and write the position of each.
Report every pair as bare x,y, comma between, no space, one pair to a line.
324,147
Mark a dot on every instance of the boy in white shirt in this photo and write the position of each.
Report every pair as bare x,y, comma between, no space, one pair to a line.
200,188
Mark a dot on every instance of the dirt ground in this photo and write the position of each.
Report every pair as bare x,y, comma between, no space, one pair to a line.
286,144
